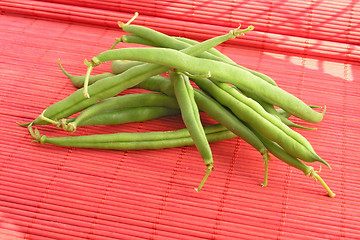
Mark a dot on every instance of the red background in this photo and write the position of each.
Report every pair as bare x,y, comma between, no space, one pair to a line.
311,49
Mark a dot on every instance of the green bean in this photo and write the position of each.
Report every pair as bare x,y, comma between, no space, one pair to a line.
120,66
150,37
281,154
157,84
220,71
78,81
190,42
124,101
137,40
134,141
266,127
285,114
128,115
184,94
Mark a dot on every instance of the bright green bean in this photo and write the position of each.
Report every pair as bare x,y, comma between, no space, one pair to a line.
128,115
78,81
190,115
134,141
124,101
120,66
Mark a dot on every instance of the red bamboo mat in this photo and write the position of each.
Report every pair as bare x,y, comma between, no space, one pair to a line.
49,192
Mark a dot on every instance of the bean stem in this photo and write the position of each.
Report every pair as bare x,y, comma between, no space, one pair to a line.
208,170
87,76
266,174
316,176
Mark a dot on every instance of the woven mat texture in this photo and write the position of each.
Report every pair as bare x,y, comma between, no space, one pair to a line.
311,49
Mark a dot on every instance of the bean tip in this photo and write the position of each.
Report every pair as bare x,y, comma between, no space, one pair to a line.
86,95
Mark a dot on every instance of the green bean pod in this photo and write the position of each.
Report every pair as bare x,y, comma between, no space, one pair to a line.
190,115
220,71
271,110
137,40
78,81
120,66
120,102
128,115
134,141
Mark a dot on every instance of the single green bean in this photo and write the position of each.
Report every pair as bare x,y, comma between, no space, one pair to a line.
184,94
128,115
134,141
124,101
270,109
190,115
120,66
150,37
137,40
78,81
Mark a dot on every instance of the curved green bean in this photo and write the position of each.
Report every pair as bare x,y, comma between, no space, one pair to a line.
78,81
127,115
134,141
124,101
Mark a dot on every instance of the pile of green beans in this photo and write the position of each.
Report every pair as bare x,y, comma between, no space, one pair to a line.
244,103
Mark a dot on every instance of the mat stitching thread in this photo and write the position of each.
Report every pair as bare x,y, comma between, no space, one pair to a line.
46,192
226,187
268,21
343,147
166,195
306,49
348,31
284,202
108,188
